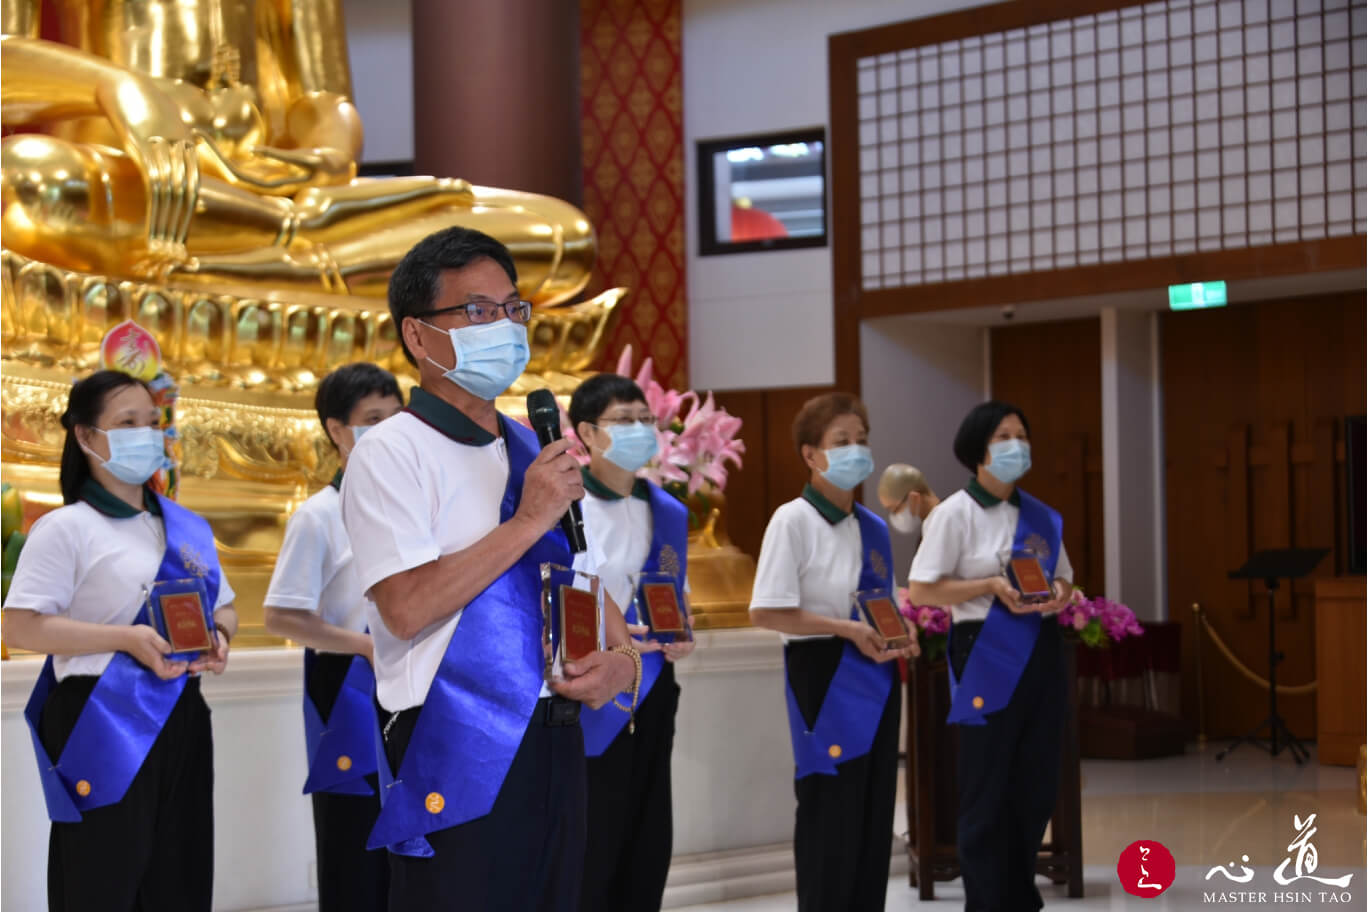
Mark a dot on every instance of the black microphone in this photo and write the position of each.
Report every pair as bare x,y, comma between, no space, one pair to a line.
544,414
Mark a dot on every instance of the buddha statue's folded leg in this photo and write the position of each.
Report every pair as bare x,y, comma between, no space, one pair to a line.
84,207
345,242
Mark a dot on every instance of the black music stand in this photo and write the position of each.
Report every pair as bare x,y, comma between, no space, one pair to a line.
1271,566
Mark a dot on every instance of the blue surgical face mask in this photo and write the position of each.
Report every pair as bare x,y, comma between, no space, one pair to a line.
1010,459
849,465
357,430
489,357
135,454
633,445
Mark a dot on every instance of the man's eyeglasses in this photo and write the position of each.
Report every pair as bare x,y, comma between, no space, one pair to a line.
627,419
483,310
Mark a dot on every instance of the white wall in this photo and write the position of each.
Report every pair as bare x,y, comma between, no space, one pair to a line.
918,379
764,319
380,45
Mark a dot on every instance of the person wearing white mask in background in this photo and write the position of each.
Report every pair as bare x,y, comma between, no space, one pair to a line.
907,498
841,681
315,600
451,509
1007,674
123,737
631,526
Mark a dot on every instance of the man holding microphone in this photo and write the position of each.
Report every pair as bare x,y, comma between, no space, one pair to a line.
451,509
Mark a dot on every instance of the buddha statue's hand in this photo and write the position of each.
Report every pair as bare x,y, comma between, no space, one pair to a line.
162,145
171,177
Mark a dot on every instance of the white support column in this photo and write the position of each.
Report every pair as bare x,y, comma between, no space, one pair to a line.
1133,462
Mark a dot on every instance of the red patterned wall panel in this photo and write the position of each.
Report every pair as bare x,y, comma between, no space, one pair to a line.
633,129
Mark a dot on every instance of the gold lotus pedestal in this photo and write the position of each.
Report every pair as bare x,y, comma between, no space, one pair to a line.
247,369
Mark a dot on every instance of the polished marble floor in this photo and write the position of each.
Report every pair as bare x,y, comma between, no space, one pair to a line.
1208,815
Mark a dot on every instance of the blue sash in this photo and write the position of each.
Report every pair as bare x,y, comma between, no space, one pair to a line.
1004,644
855,699
341,750
482,698
670,536
129,704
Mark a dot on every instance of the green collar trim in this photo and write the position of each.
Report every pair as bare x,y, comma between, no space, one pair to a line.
337,481
447,419
99,497
985,498
640,490
830,512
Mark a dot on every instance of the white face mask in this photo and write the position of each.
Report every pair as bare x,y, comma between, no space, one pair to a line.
906,522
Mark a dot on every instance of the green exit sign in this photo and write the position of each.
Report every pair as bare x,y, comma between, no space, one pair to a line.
1197,296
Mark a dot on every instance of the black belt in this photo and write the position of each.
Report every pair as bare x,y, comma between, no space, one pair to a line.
552,712
557,711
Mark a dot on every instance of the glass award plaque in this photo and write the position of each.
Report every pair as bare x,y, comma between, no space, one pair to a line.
1027,576
177,610
572,617
660,607
881,612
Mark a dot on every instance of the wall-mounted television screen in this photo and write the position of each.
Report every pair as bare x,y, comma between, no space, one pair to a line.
762,192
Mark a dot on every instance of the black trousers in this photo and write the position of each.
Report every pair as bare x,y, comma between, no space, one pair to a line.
1009,778
631,830
350,879
843,832
527,853
153,851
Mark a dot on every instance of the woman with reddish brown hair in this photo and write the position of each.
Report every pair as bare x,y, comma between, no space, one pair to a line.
819,551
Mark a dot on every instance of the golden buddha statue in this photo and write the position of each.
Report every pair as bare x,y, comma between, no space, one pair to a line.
191,165
213,144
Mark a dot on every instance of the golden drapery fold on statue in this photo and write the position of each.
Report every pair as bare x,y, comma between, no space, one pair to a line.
191,165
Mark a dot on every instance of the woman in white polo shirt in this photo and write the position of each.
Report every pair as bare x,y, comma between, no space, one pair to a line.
122,733
1008,680
630,526
315,600
842,692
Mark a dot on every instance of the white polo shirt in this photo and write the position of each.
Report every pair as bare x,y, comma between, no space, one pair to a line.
617,532
315,571
969,536
417,488
810,558
90,561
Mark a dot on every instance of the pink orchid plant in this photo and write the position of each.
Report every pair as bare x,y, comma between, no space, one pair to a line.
931,623
1098,621
697,438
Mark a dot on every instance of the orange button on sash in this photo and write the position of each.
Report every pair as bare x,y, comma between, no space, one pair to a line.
978,702
434,803
834,751
344,763
83,788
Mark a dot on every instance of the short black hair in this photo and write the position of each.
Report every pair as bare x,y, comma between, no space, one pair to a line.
417,280
971,441
85,402
340,391
592,397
